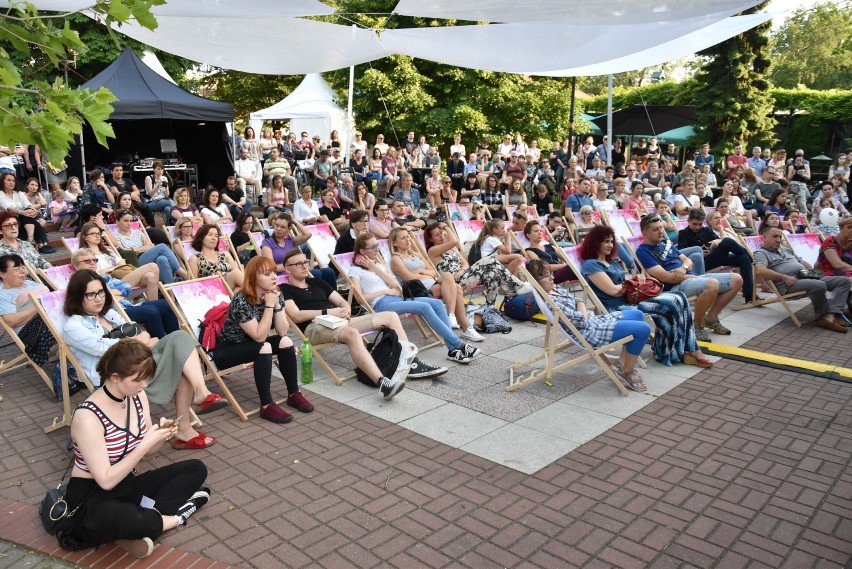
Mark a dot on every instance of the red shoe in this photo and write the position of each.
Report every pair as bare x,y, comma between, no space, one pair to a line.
198,442
276,414
297,401
212,402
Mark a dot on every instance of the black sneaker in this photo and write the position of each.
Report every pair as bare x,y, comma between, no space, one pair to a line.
390,387
470,351
195,503
46,250
421,370
459,355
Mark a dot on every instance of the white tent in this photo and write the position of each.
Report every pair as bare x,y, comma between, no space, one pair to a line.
311,108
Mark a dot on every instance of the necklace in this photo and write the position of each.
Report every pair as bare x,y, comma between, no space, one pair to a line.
113,397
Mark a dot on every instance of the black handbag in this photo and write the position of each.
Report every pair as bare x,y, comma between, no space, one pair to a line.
126,330
53,510
415,289
807,274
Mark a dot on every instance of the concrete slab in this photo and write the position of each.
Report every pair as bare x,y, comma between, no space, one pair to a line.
453,424
520,448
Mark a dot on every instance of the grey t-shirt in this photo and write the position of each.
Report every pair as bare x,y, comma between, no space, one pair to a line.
781,261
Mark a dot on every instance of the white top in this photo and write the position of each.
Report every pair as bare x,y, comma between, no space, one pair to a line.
680,200
490,245
604,204
131,241
215,214
302,211
18,201
735,205
369,282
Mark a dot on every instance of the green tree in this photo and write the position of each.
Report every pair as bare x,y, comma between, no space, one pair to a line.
813,48
733,90
38,110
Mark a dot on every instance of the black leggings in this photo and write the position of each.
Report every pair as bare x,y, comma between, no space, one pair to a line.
106,516
228,354
39,235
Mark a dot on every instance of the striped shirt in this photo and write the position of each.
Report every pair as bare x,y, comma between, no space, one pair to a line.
116,438
597,329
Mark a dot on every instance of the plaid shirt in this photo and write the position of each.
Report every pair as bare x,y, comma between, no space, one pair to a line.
596,329
491,197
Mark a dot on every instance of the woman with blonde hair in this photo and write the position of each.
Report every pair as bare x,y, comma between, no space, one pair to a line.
185,208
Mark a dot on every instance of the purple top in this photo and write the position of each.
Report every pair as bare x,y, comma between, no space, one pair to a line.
278,251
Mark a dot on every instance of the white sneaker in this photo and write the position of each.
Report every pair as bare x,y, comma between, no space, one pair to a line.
138,548
454,324
472,335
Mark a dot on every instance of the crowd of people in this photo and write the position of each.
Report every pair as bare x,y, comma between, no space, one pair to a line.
398,197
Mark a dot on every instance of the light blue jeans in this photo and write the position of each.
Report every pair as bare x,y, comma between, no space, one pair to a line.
431,309
163,204
165,259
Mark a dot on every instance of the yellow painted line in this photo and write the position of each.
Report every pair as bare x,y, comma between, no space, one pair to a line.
721,349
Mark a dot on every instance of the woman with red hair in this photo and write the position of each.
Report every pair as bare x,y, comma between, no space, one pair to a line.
674,340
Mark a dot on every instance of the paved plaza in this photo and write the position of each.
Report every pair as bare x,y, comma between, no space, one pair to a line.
738,466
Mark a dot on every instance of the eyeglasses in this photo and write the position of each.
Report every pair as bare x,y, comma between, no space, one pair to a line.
371,248
95,295
300,264
547,277
94,234
10,225
447,182
87,261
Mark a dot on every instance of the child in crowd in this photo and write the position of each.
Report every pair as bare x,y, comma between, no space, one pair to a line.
61,212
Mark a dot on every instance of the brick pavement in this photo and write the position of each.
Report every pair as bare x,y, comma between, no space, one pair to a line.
740,466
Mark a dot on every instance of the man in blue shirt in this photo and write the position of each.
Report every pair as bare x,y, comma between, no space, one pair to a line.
582,197
756,163
662,260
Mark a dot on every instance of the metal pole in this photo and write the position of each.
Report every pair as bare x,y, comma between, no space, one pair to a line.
350,123
609,140
571,116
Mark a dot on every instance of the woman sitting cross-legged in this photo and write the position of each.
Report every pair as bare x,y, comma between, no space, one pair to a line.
674,340
408,265
281,241
600,329
441,245
381,289
137,240
211,261
88,305
494,241
112,432
256,312
111,263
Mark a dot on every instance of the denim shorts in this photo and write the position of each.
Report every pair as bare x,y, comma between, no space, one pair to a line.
694,287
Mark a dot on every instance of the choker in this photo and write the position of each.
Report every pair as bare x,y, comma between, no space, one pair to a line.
113,397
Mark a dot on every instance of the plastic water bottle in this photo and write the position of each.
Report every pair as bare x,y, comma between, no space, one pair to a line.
307,365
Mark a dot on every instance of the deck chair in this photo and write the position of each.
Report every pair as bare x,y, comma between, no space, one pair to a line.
618,220
343,262
190,301
22,360
805,245
226,229
557,339
57,276
632,244
322,242
467,232
384,249
456,212
681,224
752,244
521,242
283,279
71,243
571,256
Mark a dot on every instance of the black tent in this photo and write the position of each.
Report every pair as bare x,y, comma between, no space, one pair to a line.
150,108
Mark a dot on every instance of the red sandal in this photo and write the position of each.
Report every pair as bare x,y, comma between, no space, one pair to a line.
212,402
197,442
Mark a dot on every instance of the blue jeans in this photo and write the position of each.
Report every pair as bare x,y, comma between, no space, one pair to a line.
165,205
165,259
431,309
632,324
327,274
236,210
696,255
156,316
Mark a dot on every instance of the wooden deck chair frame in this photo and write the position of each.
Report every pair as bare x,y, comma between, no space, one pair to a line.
628,242
22,360
213,372
319,256
751,245
282,279
552,345
425,329
66,356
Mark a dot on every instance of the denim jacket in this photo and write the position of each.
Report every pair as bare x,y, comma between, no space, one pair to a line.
84,335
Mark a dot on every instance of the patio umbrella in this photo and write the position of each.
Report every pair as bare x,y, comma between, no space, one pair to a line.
641,119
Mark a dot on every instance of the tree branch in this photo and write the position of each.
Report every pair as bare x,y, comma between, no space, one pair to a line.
20,90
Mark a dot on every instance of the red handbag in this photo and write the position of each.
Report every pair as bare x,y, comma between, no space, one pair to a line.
636,291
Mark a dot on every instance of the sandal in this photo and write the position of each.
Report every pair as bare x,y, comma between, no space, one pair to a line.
198,442
633,381
212,402
691,360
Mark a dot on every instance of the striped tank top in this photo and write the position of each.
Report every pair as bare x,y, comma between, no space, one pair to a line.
116,438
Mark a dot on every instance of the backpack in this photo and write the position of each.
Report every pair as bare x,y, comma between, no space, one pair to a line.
386,351
520,307
475,254
210,328
488,320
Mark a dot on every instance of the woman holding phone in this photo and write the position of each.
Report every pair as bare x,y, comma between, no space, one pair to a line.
112,431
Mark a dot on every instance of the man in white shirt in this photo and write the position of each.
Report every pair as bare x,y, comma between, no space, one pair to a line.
246,170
